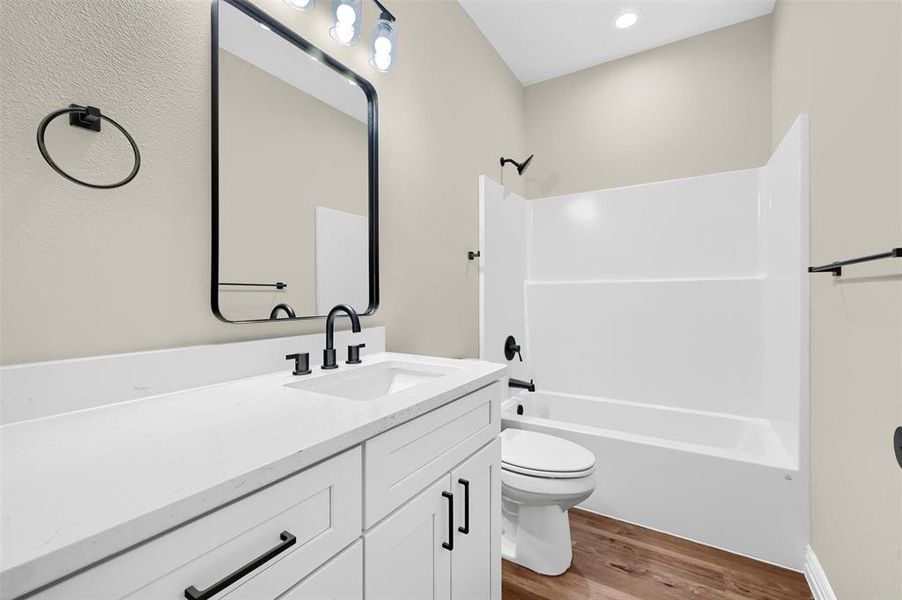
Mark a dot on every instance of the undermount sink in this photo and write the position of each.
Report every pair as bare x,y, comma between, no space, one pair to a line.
374,381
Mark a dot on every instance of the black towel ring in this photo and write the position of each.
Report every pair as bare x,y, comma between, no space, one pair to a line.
87,117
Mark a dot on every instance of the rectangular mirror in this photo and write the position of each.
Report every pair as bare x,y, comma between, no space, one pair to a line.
295,196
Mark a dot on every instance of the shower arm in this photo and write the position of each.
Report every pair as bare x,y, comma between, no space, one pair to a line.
521,167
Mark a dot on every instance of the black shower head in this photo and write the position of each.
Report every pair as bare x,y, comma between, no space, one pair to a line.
520,166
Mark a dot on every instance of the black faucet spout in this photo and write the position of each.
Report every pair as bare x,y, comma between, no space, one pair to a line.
329,361
274,314
517,383
330,323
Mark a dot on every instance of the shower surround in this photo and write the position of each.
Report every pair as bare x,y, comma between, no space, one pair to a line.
666,328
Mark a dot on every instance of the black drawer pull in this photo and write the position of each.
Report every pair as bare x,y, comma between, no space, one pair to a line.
288,540
449,545
466,528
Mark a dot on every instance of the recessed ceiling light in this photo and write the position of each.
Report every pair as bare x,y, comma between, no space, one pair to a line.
626,19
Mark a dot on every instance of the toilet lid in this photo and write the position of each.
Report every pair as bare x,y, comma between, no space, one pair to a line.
539,454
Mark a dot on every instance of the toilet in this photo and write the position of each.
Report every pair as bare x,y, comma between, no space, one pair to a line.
542,477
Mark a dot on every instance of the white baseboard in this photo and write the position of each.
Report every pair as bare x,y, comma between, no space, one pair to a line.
816,577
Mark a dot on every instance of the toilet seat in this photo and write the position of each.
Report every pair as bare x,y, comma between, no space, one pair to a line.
546,456
547,474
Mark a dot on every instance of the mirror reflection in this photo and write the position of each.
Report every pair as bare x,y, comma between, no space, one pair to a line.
294,178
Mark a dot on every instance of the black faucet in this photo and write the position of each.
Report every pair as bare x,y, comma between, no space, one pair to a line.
517,383
329,352
274,314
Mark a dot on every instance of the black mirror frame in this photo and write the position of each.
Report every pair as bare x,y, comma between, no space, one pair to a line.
373,146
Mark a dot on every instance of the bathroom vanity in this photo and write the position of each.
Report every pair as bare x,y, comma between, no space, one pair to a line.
271,486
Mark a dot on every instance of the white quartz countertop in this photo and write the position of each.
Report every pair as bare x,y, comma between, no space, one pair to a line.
81,486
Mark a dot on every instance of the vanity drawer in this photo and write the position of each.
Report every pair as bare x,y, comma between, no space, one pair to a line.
339,579
402,461
320,507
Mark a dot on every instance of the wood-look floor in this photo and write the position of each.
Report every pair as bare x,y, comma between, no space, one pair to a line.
617,561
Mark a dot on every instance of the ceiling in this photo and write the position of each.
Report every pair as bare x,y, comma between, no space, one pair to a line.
543,39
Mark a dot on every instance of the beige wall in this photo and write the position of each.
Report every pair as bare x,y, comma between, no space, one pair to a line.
696,106
87,272
841,62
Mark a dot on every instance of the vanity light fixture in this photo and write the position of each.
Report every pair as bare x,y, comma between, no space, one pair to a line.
626,19
346,22
382,50
345,30
301,4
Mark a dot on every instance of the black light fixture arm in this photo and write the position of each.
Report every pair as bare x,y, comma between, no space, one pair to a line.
386,14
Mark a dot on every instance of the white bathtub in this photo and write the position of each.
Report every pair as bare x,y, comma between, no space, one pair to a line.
726,481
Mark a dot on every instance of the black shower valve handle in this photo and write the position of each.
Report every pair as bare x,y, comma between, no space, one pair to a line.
511,347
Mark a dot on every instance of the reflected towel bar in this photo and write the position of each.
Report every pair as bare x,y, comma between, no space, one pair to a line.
836,267
278,285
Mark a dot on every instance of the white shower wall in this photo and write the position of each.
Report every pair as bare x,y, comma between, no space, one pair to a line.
503,247
689,293
666,328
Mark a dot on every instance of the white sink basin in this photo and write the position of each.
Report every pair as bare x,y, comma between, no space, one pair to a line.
374,381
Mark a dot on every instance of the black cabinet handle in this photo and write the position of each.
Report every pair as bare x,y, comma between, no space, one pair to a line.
449,545
466,528
192,593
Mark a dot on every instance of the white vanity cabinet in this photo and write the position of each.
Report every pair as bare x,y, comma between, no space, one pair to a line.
445,543
407,555
413,512
438,478
284,532
339,579
475,560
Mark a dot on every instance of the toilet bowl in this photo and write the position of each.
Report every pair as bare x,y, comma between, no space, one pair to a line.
542,477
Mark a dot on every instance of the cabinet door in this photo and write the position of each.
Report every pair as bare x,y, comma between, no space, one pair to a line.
476,560
408,555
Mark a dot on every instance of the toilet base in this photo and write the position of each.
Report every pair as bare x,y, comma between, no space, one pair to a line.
536,537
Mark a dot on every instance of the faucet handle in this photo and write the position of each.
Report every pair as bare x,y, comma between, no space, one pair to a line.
354,354
301,363
511,347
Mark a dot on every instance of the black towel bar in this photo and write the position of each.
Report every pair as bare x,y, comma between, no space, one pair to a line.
836,267
279,285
